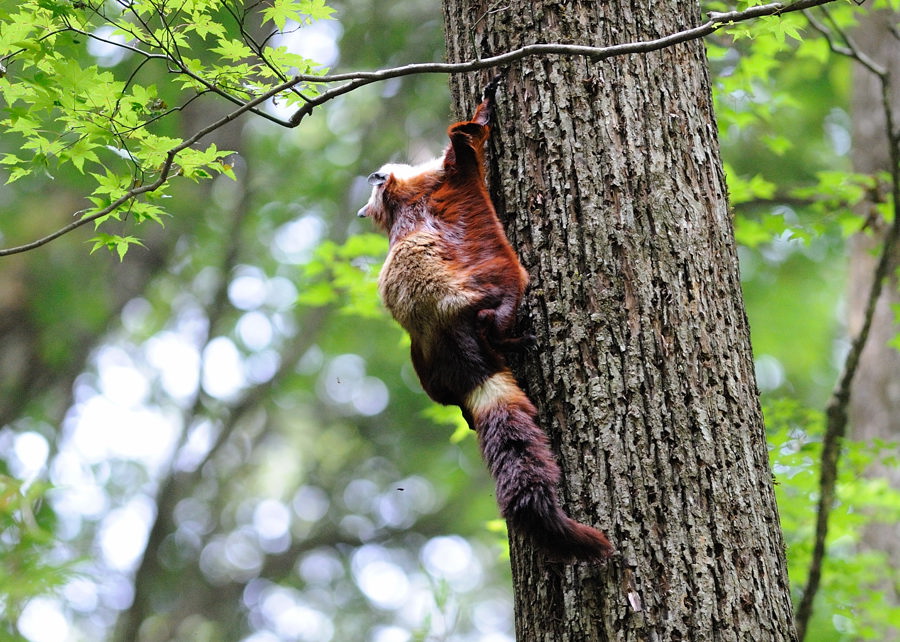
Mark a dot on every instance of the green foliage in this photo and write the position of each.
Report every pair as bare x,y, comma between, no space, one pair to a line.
851,603
765,66
115,126
29,566
895,308
345,274
114,242
449,416
283,10
781,99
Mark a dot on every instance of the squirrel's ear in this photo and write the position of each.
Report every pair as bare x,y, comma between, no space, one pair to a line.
491,88
377,178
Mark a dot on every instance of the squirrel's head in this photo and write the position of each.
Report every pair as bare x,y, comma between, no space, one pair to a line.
396,187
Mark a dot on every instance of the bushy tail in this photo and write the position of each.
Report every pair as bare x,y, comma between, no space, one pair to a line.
518,455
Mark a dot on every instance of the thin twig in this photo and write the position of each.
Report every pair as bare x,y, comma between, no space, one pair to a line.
259,50
825,32
174,59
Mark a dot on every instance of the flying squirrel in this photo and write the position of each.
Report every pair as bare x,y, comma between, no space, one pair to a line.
453,281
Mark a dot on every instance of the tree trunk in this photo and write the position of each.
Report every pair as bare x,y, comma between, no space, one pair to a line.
608,179
875,402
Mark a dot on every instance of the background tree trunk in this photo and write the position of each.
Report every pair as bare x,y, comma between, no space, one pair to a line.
609,181
875,402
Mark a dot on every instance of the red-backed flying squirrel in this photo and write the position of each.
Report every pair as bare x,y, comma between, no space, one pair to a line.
453,281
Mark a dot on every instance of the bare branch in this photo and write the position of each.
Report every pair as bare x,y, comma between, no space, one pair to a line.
716,21
354,80
825,32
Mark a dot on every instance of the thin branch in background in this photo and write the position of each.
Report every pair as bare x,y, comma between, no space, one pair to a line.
825,32
777,200
837,410
855,52
170,481
894,31
354,80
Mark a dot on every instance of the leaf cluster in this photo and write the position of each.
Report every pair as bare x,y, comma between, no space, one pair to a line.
854,600
83,89
28,564
777,87
346,274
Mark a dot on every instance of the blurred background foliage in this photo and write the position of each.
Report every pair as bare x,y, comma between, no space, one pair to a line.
221,437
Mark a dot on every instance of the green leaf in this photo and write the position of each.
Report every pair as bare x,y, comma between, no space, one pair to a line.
204,25
301,12
280,12
778,144
232,49
317,294
318,10
81,152
741,189
114,242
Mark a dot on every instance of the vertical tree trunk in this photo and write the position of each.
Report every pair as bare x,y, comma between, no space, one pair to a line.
875,402
608,179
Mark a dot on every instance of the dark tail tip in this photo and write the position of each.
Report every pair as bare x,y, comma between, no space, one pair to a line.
563,539
585,543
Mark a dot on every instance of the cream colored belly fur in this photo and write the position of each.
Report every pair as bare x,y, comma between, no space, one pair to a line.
417,287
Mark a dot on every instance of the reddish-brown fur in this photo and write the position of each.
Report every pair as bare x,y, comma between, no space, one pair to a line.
454,282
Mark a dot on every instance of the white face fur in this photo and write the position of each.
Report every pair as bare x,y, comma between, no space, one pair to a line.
404,172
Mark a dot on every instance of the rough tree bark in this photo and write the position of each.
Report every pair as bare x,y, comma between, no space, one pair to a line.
608,179
875,402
